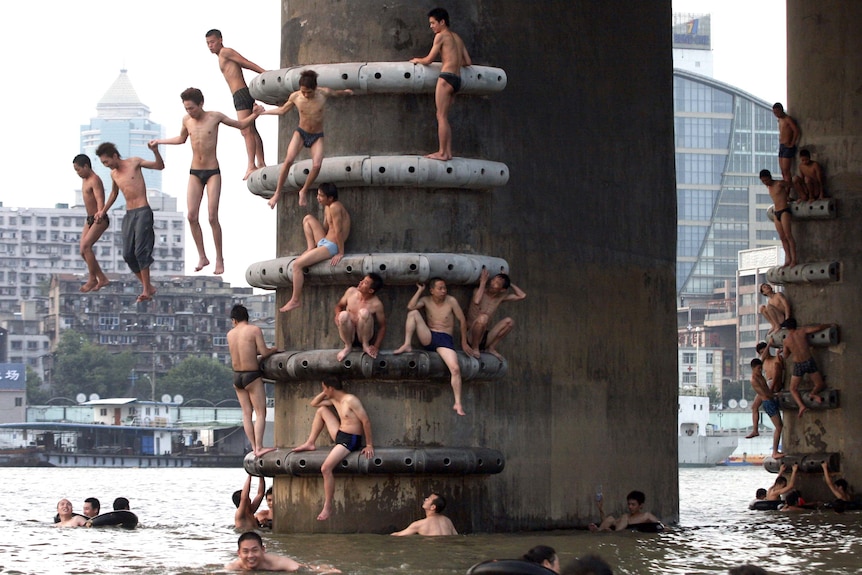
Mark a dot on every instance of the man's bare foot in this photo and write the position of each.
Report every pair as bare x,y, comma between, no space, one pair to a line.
303,200
403,349
219,267
102,282
202,263
815,398
305,447
777,455
367,349
273,201
248,172
342,354
89,286
458,409
263,450
144,297
753,434
290,305
495,353
802,410
594,527
324,515
438,156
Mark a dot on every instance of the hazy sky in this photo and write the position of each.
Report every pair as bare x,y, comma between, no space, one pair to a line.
67,55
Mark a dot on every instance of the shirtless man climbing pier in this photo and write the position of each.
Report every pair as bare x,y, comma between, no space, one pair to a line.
779,191
796,345
453,55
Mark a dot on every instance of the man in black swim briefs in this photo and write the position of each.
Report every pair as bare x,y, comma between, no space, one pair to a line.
779,191
453,79
310,103
453,55
204,174
93,195
347,426
231,63
245,342
788,140
241,379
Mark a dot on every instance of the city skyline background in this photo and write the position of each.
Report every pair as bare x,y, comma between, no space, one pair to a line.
79,51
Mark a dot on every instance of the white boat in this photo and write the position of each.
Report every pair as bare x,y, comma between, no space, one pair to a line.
699,446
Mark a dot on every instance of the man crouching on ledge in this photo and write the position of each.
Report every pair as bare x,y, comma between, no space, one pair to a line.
346,429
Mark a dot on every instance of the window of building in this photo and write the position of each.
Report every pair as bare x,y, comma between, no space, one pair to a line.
41,221
688,358
55,221
103,412
709,356
219,340
19,401
26,220
689,377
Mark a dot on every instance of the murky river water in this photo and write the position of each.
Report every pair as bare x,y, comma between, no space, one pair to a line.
186,527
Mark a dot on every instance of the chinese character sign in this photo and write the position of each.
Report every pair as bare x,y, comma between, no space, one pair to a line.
12,372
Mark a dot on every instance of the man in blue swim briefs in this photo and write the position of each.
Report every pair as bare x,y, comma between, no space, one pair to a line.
348,425
796,345
766,395
245,343
453,55
231,64
436,335
203,127
309,102
788,140
779,191
322,241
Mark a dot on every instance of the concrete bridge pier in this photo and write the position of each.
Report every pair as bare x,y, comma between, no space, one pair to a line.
586,223
824,78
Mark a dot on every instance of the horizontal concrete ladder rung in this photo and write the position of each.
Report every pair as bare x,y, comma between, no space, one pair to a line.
385,461
406,171
275,86
808,462
394,268
814,272
823,338
830,400
411,366
816,210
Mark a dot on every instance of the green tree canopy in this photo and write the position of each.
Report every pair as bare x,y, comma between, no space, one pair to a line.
36,394
198,377
84,367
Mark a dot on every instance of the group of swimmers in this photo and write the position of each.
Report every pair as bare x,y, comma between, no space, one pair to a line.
204,174
785,496
807,186
66,517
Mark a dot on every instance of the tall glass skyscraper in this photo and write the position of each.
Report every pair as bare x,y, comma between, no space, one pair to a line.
123,119
724,137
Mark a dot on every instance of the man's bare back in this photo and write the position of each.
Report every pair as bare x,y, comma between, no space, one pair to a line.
245,342
336,222
453,53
